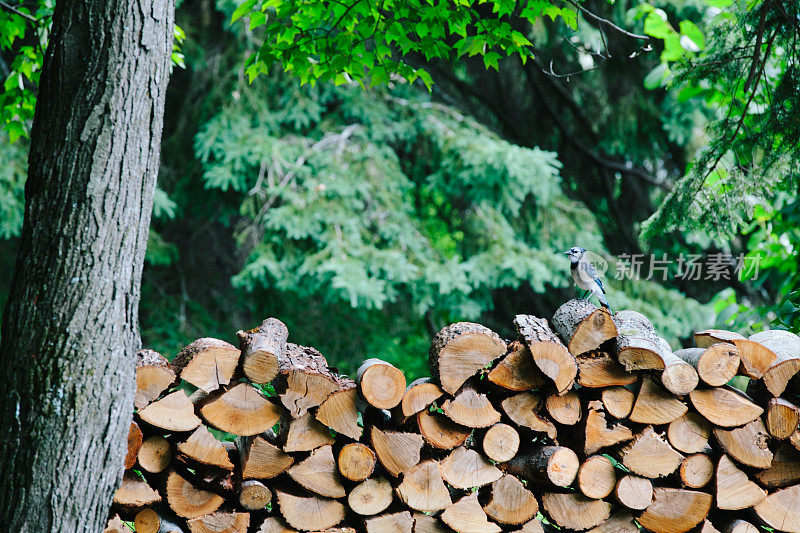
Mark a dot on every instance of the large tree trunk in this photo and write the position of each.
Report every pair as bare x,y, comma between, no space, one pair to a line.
70,328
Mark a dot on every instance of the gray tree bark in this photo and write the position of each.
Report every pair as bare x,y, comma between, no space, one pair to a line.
70,328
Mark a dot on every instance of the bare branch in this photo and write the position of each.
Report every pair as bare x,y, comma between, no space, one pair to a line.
13,10
608,22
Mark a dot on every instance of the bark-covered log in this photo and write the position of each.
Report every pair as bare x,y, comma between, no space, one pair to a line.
381,384
517,370
423,489
305,380
678,376
207,363
716,365
262,349
509,502
241,410
254,495
311,513
153,376
553,465
370,497
461,350
419,394
786,346
582,326
465,469
548,352
708,337
637,343
356,461
675,510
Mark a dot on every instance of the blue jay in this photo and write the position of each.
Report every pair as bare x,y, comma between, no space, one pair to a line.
585,275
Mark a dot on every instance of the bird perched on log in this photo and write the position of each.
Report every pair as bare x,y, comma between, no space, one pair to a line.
585,275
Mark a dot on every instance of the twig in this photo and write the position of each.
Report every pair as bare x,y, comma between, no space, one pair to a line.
608,22
15,11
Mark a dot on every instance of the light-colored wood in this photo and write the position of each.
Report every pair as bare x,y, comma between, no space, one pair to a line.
153,376
689,433
598,369
786,346
500,443
465,469
188,501
467,516
716,365
397,451
575,511
554,465
678,377
564,409
254,495
509,502
381,384
304,434
619,522
370,497
339,412
708,527
305,380
734,489
318,473
461,350
149,521
173,412
260,459
220,522
637,343
696,471
748,444
597,477
675,510
262,349
242,411
309,514
755,358
207,363
419,395
471,409
424,523
649,455
782,418
517,371
441,432
401,522
618,401
531,526
203,448
582,326
784,470
780,510
275,524
356,461
709,337
634,492
134,494
548,352
724,406
655,405
522,410
597,433
423,489
155,454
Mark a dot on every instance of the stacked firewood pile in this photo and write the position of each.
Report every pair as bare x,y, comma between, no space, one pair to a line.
589,422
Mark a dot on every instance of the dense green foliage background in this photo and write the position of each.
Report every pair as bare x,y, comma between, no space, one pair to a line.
367,217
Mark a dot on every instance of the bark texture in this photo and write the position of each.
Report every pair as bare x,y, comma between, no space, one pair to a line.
70,328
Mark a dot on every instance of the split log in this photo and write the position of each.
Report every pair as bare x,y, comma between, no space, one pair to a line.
309,514
521,409
465,469
649,455
554,465
619,522
115,525
241,410
715,365
782,418
254,495
339,411
517,371
422,488
153,376
356,461
262,348
678,376
134,494
618,401
786,346
509,502
637,343
207,363
424,523
188,501
381,384
708,527
740,526
755,358
370,497
548,352
149,521
155,454
784,470
397,451
275,524
418,396
304,434
467,516
461,350
597,434
582,326
597,477
441,432
655,405
675,510
500,443
220,523
689,433
747,444
634,492
564,409
305,380
173,412
734,489
401,522
598,369
531,526
471,409
575,511
203,448
725,406
780,510
260,459
134,444
696,471
318,473
709,337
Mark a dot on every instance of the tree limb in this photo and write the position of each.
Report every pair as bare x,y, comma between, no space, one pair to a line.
13,10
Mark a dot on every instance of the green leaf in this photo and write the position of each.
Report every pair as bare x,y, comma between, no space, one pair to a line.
243,9
690,30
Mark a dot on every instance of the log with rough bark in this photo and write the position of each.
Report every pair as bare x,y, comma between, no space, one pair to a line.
441,432
634,492
548,352
582,326
465,469
708,337
418,396
575,511
716,365
380,383
262,348
423,489
517,371
471,409
154,375
461,350
597,477
509,502
675,510
556,466
467,516
500,443
304,379
725,406
311,513
356,461
678,376
370,497
638,345
207,363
